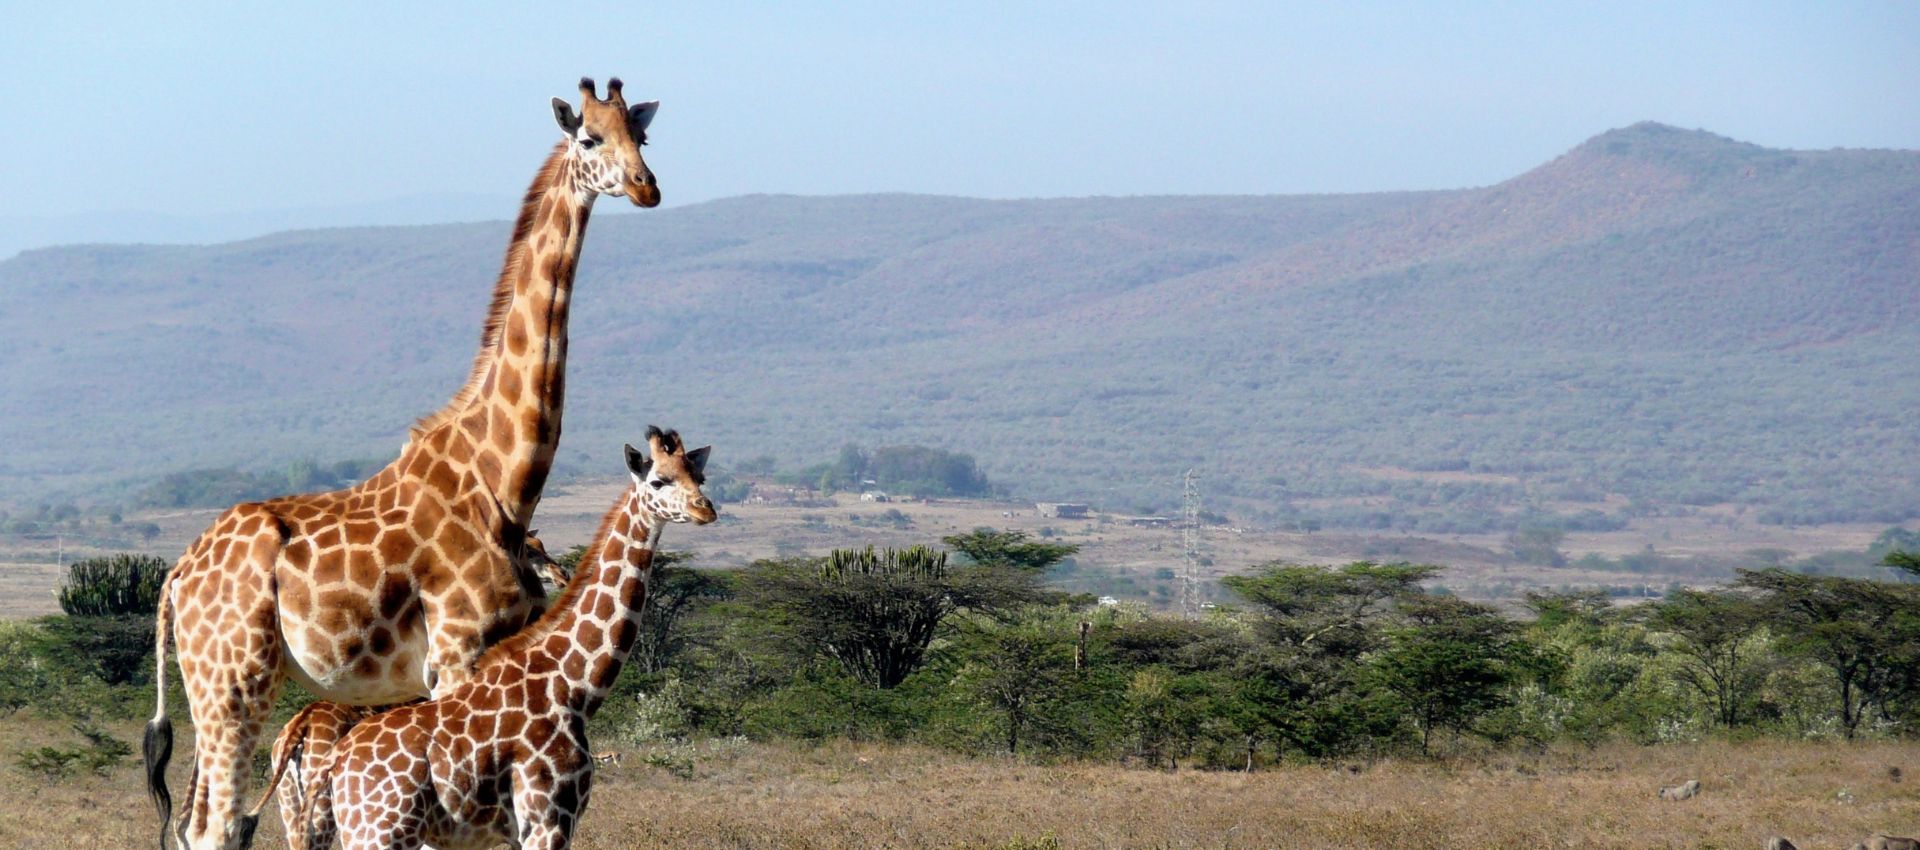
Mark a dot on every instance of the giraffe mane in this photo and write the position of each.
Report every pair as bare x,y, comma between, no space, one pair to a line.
585,573
516,262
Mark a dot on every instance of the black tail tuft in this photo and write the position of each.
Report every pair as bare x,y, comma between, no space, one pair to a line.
243,831
157,747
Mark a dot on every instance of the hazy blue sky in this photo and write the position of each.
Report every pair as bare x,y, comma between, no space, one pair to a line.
196,108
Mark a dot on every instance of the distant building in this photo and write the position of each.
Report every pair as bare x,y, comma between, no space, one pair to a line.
1062,510
1148,521
1108,602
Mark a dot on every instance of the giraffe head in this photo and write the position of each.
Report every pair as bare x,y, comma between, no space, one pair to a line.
667,479
606,137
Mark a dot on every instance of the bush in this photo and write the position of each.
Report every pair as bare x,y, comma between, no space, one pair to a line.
23,677
41,668
660,728
115,650
99,755
877,612
114,585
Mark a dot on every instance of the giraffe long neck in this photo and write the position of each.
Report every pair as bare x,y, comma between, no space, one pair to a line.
588,634
505,422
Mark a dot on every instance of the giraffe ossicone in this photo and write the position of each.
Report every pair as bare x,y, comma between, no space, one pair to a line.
434,772
391,589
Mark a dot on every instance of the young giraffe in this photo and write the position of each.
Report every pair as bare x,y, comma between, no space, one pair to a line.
503,756
390,589
303,745
308,737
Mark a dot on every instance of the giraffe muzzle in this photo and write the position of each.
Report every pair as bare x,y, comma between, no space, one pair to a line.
644,193
703,510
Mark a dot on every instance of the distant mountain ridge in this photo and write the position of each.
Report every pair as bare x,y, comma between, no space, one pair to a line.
1662,315
19,233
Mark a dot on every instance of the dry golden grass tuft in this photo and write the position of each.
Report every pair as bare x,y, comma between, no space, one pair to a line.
876,796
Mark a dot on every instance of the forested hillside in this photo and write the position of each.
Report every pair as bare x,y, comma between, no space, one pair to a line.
1658,318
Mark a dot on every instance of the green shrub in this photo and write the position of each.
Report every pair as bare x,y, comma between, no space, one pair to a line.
113,585
99,755
23,677
115,650
877,612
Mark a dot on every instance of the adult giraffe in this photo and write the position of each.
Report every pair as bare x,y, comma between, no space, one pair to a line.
389,590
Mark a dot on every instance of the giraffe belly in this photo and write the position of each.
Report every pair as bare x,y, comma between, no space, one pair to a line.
402,678
357,660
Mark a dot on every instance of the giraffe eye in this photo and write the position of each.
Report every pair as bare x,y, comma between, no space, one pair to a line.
657,483
589,142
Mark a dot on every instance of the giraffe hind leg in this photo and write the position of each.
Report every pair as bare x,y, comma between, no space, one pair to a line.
225,740
232,667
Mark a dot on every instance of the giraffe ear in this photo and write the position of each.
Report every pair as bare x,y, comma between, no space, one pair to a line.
641,114
698,459
563,114
638,463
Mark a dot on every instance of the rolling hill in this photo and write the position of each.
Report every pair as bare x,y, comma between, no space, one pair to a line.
1660,318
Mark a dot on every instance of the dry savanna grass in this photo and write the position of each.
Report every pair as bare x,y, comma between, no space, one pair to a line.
877,796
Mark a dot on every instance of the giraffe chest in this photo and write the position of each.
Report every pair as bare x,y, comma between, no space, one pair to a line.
483,754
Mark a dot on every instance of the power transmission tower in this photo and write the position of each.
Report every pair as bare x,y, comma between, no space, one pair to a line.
1190,545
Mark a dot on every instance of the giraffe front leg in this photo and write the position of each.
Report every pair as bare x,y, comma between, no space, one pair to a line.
546,807
455,639
483,604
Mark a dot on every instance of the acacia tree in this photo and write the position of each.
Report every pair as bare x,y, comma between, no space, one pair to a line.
1329,610
1904,561
1301,683
1866,632
990,548
1714,633
1573,608
1585,652
676,591
1538,544
1019,669
877,612
1450,662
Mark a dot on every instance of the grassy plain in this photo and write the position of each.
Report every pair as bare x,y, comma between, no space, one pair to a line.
848,796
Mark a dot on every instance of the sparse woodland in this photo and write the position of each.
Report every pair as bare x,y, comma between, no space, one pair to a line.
965,648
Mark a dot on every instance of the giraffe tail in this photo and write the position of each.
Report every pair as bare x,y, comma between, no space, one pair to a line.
157,744
315,824
288,750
